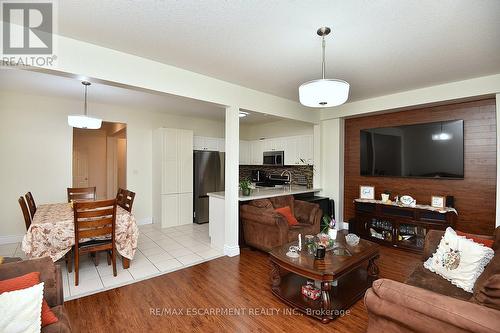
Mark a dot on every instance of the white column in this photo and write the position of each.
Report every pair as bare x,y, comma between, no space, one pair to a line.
498,160
231,247
317,156
332,165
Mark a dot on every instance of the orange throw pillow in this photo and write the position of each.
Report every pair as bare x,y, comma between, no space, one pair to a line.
485,242
288,214
27,281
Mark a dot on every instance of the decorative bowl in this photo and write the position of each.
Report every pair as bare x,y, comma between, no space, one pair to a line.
352,239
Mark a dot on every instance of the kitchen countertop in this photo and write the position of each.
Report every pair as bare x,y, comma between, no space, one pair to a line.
269,192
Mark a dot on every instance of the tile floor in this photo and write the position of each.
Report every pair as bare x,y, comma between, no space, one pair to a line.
160,251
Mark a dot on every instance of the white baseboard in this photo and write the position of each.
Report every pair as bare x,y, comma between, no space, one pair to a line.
231,250
146,220
11,239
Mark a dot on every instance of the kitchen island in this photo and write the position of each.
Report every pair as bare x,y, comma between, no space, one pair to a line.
216,208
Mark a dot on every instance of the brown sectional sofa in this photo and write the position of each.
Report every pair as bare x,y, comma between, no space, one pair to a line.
51,275
426,302
265,229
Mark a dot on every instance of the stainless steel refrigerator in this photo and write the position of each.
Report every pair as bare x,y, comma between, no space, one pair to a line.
208,177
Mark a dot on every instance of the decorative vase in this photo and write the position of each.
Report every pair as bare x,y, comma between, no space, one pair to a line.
385,197
245,191
332,233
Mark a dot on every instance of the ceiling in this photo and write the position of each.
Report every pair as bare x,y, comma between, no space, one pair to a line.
38,83
379,47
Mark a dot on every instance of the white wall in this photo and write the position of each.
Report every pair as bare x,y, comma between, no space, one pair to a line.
275,129
36,150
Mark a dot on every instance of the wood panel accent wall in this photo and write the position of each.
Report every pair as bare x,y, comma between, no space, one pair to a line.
475,195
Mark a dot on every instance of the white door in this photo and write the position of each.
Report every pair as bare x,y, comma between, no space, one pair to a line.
170,163
186,208
185,161
80,167
170,210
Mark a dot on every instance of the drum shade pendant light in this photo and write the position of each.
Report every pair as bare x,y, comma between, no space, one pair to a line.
83,120
323,93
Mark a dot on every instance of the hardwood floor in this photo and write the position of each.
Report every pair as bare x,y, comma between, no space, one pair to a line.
231,284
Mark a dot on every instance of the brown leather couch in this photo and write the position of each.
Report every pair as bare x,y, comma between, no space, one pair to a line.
265,229
53,288
426,302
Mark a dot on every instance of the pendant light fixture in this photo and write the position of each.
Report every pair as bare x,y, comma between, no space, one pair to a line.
323,93
84,121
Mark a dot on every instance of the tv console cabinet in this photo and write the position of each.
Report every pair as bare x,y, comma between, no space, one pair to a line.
398,226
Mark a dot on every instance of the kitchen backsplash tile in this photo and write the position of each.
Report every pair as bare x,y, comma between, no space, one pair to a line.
297,171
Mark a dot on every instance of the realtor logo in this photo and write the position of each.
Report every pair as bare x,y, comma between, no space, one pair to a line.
27,28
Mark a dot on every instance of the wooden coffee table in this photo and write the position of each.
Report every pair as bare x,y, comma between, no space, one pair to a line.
343,278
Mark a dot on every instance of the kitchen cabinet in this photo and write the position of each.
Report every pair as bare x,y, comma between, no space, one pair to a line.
172,176
257,151
208,143
305,149
245,154
251,152
290,150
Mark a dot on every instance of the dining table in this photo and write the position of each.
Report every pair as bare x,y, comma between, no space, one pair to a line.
52,233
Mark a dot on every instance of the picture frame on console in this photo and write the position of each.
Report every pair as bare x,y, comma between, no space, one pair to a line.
366,192
438,201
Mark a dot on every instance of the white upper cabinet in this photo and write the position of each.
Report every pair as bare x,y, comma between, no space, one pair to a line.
208,143
251,152
290,149
245,154
305,149
257,152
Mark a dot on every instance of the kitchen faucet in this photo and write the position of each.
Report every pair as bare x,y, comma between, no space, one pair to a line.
289,174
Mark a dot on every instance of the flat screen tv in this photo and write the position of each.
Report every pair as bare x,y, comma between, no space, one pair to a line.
431,150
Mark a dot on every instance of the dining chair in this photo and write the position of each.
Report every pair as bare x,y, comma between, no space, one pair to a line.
94,219
125,199
81,193
31,203
26,213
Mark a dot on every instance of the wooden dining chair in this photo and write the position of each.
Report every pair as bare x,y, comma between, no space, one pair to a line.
31,203
81,194
94,219
26,213
125,199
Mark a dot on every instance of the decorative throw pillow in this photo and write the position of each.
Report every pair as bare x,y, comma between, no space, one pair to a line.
288,214
484,241
459,260
21,310
26,281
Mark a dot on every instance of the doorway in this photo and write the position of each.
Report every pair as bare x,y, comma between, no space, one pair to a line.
100,158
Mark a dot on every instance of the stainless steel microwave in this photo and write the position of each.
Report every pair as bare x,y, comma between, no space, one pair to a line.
274,157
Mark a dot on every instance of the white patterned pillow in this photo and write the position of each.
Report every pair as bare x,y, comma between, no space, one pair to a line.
21,310
459,260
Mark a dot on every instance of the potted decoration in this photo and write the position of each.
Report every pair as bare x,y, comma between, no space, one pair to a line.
246,187
386,195
329,227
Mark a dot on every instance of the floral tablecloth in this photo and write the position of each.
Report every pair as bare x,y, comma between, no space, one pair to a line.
52,232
